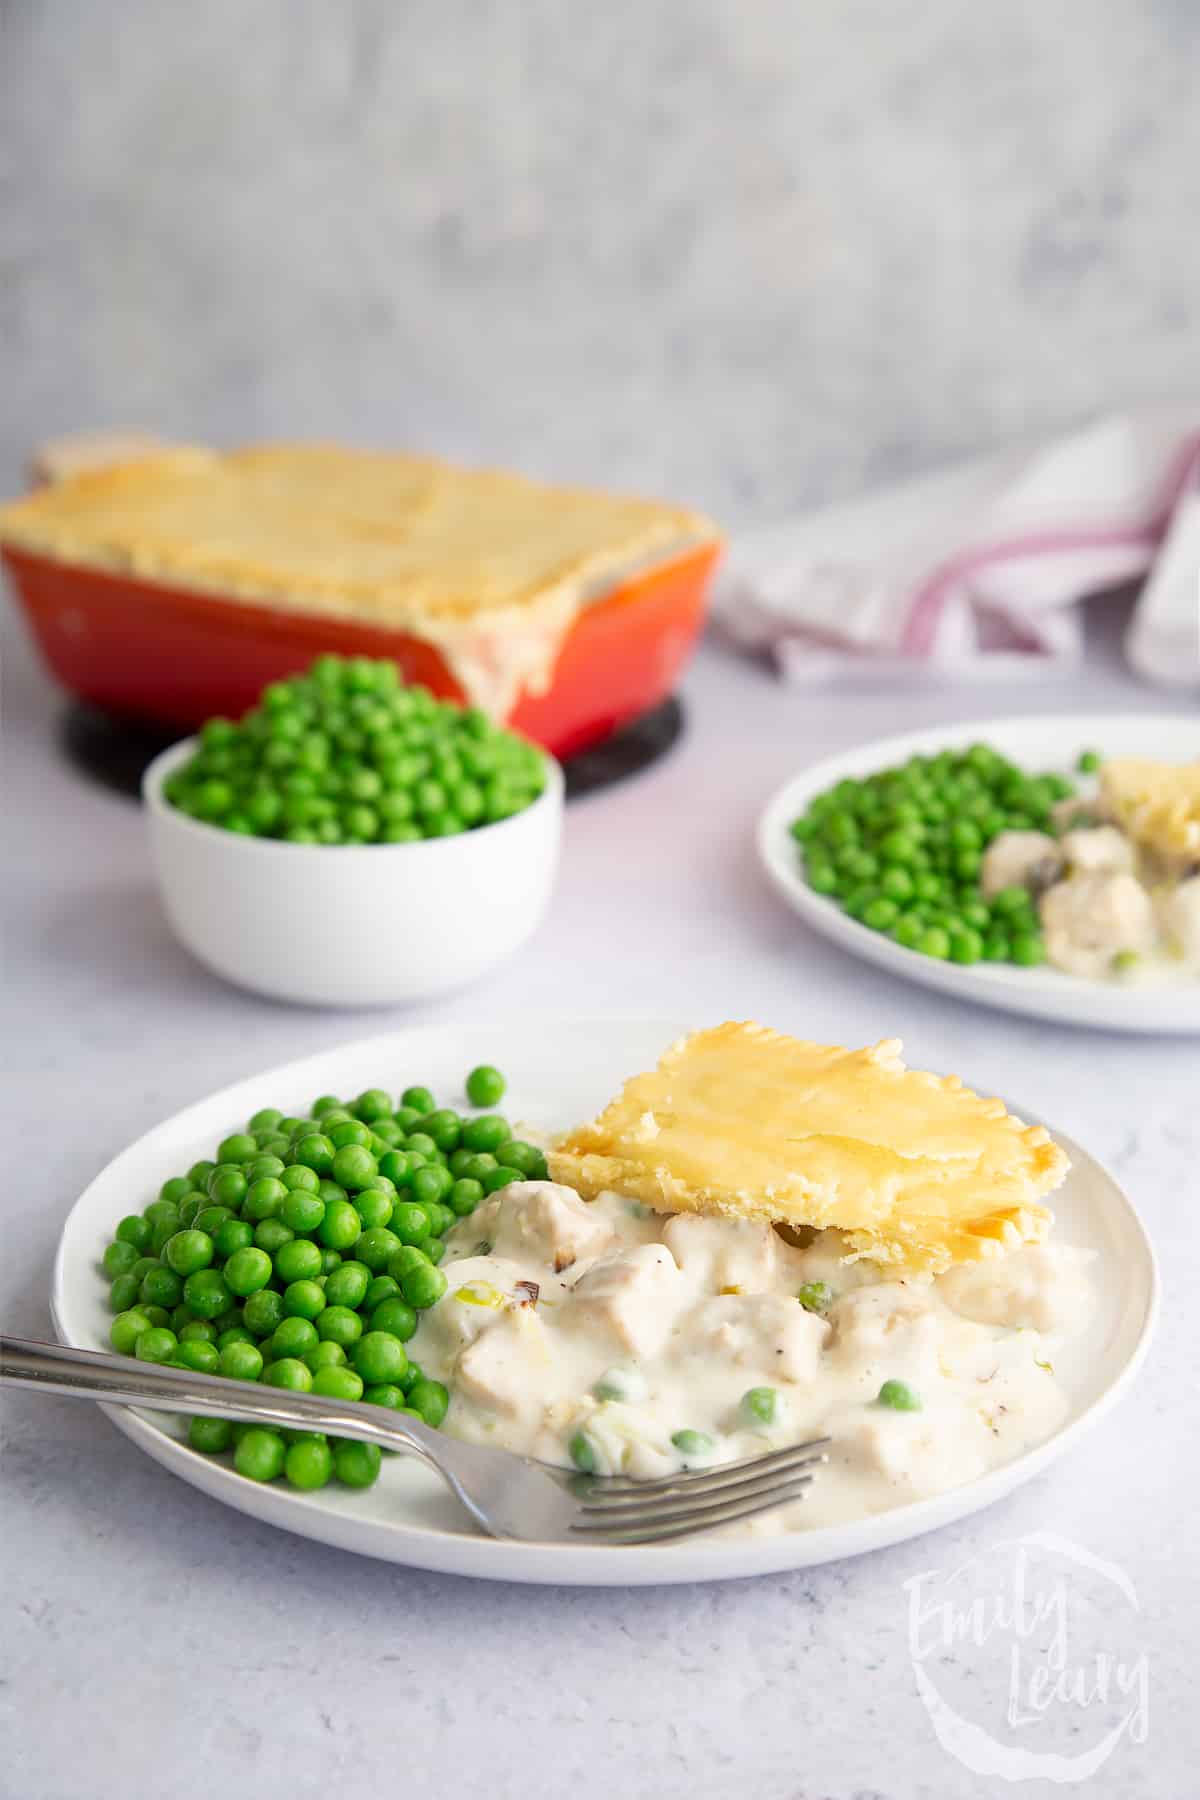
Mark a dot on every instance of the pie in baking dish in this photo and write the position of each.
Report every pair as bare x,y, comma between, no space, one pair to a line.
915,1169
489,567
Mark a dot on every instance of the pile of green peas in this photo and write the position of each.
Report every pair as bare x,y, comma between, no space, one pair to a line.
346,754
301,1256
901,851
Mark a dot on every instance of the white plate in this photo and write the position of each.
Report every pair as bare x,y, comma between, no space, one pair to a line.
1042,746
559,1072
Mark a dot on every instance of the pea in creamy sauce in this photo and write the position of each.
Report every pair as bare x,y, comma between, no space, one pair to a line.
564,1317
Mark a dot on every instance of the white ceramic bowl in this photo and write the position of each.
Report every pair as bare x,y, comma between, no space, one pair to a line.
354,924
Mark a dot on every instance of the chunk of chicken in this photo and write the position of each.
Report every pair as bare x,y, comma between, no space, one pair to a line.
886,1327
542,1222
720,1255
1181,921
1043,1288
507,1367
1019,859
1101,850
1089,918
632,1298
770,1331
478,1290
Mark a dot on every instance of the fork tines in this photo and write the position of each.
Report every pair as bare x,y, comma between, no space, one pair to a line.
644,1512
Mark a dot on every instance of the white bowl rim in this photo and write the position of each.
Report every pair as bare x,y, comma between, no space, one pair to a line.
165,762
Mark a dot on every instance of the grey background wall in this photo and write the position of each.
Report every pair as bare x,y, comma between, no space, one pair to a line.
754,253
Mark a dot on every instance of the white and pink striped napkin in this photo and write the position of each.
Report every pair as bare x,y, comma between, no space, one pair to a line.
978,573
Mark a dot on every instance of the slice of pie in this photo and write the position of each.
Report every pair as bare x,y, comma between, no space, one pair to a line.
1157,804
915,1169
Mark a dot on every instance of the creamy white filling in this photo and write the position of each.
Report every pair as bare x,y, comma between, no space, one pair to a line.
566,1320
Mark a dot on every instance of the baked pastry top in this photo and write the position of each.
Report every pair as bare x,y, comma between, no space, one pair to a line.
915,1169
1157,804
389,539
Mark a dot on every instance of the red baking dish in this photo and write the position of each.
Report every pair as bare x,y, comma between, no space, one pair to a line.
176,656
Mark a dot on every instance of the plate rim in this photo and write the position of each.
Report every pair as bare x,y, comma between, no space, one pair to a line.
474,1555
1039,993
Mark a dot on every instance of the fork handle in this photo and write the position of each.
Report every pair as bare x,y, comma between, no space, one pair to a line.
92,1375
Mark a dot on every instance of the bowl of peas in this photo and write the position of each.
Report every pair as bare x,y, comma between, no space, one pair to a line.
353,841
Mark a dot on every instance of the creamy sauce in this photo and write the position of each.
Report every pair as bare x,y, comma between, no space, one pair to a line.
566,1319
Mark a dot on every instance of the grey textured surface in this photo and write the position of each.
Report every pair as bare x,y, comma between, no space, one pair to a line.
751,254
154,1641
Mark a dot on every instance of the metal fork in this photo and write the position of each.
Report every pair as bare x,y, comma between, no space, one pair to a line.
509,1496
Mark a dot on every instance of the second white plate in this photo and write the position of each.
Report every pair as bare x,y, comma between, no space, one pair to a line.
559,1072
1040,745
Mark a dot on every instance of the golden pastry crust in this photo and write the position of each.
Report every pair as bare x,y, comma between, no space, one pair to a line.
388,539
1157,804
918,1171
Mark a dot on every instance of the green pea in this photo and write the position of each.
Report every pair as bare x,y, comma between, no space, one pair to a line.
899,1396
264,1199
348,1284
348,1131
290,1373
119,1258
241,1362
126,1329
422,1285
337,1383
124,1292
207,1293
193,1354
760,1405
1088,762
309,1464
500,1177
816,1296
209,1219
1028,949
263,1312
272,1235
527,1158
291,1340
303,1300
381,1288
135,1230
210,1436
378,1357
189,1251
354,1167
314,1151
247,1271
156,1345
198,1174
236,1148
966,946
161,1287
227,1186
582,1453
260,1454
325,1355
231,1236
298,1260
420,1099
339,1325
374,1207
356,1465
486,1133
298,1176
396,1316
173,1190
